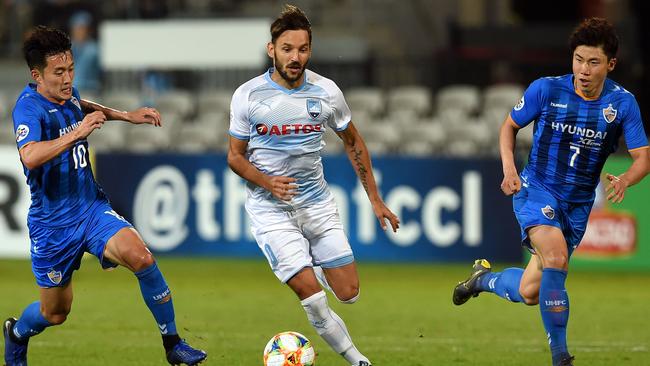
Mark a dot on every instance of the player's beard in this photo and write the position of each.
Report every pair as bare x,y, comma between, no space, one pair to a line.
280,68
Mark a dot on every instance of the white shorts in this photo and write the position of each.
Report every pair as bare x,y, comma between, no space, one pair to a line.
305,237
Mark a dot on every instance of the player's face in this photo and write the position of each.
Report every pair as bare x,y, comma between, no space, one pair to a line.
54,82
590,68
290,54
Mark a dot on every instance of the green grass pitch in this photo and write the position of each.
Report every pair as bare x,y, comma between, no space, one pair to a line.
404,317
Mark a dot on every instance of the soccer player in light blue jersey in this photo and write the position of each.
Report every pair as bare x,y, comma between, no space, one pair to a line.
70,214
277,123
579,119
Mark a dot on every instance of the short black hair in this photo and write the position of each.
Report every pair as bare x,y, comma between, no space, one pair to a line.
291,18
595,32
43,42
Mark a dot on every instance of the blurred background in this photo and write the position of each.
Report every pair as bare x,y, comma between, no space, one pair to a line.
428,83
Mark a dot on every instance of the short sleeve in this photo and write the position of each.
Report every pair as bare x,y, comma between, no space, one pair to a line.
27,122
341,114
239,122
633,131
530,105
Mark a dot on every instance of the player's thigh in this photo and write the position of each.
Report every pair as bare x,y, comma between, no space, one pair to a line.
127,249
329,245
56,302
531,281
343,280
550,245
304,283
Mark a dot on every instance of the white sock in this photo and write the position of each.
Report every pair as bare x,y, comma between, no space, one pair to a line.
331,327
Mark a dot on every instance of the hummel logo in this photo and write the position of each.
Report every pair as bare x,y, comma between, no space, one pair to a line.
558,105
163,328
53,110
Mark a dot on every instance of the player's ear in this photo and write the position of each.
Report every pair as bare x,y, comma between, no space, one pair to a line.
270,47
611,64
36,75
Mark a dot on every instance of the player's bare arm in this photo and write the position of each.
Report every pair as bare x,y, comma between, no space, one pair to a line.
141,115
511,183
359,156
283,188
638,170
35,154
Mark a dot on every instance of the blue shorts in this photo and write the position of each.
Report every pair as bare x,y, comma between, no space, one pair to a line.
57,252
535,206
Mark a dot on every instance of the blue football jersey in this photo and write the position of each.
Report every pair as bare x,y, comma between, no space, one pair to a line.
64,188
573,137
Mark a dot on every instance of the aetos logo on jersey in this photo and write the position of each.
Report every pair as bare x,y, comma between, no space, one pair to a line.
288,129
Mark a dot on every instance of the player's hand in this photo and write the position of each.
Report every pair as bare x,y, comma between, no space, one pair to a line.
282,188
511,183
90,122
144,115
382,212
616,188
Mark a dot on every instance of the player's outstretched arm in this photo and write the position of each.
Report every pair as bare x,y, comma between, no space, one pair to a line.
511,183
139,116
635,173
359,156
35,154
282,188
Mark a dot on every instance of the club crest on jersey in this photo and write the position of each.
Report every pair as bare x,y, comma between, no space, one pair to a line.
75,101
314,108
21,132
549,212
609,113
55,276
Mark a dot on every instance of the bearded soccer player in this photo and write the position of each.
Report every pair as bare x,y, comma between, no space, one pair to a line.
277,124
70,214
579,119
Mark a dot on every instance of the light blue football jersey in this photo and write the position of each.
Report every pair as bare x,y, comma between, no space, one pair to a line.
284,129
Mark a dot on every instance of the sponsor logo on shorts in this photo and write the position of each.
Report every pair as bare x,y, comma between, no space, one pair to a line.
549,212
55,276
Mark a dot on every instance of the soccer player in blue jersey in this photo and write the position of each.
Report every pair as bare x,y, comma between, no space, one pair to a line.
70,214
579,119
277,122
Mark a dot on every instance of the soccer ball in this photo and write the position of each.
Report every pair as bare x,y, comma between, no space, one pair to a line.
289,349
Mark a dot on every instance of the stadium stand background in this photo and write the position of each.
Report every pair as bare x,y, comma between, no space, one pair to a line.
423,78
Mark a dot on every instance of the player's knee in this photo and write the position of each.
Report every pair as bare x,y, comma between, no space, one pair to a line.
56,318
348,295
558,260
143,261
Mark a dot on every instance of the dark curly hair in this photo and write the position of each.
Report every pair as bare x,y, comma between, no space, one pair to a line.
43,42
595,32
291,18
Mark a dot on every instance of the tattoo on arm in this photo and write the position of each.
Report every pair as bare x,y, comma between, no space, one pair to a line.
361,169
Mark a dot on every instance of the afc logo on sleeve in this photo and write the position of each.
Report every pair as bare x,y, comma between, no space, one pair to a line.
21,132
520,105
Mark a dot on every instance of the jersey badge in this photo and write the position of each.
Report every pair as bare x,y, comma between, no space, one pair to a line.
314,108
609,113
520,105
55,276
21,132
549,212
75,101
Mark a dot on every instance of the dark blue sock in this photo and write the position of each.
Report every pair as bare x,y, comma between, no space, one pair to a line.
554,306
504,284
158,298
31,322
